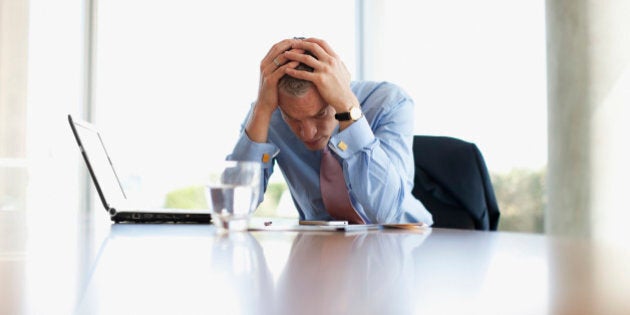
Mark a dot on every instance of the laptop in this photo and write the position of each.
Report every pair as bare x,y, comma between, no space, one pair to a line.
111,191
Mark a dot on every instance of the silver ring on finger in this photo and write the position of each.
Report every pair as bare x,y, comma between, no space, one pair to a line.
275,60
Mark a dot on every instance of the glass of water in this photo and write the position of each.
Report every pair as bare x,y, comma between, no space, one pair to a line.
233,193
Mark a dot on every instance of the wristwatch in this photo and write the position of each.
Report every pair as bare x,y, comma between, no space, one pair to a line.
354,114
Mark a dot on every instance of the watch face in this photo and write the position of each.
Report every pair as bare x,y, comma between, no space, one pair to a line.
355,113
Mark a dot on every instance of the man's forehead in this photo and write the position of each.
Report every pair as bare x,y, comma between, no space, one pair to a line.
299,111
308,104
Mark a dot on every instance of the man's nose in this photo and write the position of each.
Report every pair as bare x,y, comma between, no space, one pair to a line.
308,130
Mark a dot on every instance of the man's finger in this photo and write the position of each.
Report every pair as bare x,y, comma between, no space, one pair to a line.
323,44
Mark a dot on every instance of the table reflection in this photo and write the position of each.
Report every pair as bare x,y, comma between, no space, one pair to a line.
184,269
241,275
335,273
190,269
153,269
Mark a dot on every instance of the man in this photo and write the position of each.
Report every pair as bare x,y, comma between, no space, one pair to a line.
307,103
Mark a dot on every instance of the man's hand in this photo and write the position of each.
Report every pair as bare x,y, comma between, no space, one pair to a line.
330,75
272,68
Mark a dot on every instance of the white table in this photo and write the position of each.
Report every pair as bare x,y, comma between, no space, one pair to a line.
190,269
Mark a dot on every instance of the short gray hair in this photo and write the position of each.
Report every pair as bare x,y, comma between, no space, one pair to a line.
295,86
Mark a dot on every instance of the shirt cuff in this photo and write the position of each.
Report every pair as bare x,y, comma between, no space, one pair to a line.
248,150
352,139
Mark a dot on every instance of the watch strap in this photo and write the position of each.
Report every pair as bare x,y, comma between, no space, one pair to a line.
343,116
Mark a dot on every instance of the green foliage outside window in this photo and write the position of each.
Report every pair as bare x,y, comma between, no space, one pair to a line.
522,199
193,197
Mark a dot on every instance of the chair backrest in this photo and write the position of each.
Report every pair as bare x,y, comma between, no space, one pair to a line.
452,181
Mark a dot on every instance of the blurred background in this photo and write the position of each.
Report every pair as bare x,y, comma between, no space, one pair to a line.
169,83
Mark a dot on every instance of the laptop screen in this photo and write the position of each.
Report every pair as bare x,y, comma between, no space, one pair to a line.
102,171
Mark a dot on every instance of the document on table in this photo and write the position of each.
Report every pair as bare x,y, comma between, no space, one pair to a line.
336,226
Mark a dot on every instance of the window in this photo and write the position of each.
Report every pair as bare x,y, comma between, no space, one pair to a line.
477,71
174,79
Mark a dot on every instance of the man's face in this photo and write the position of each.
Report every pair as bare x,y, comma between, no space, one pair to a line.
310,118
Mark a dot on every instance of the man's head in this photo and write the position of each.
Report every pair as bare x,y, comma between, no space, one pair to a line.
293,85
310,118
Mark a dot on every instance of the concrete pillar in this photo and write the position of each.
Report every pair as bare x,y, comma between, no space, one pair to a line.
371,35
13,52
13,82
588,52
13,165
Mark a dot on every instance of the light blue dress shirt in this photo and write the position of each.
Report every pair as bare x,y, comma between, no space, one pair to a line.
377,159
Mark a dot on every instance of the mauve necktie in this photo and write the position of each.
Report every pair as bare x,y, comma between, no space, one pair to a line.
334,191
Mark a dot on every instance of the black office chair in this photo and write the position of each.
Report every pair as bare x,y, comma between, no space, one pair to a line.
452,182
